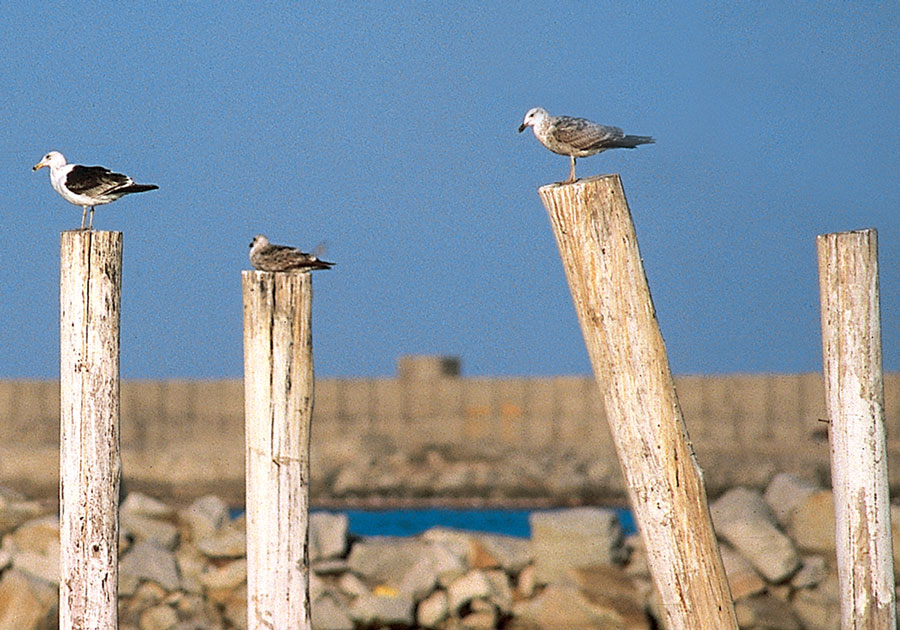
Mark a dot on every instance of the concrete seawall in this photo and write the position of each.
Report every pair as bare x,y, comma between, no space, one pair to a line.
376,438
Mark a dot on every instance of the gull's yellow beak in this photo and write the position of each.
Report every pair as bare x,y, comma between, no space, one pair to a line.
37,166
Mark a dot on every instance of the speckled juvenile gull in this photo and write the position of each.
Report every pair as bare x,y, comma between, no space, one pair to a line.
87,186
267,257
577,137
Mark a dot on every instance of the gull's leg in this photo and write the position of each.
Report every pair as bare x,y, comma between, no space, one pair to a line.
571,172
91,221
83,215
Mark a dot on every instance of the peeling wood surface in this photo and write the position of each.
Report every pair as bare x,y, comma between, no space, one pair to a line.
854,392
90,299
278,400
599,251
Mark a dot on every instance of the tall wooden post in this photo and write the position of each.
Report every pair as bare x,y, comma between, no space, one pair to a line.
854,391
278,402
599,251
90,288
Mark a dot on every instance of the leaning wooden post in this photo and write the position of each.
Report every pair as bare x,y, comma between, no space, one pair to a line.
854,396
599,251
90,286
278,402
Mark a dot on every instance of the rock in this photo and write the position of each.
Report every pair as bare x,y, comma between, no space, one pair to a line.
160,617
610,589
526,583
328,614
743,580
137,504
785,492
506,552
225,577
34,549
149,562
335,566
433,610
765,612
191,565
229,541
24,604
560,606
819,608
812,523
327,535
384,559
472,585
234,608
420,579
565,539
501,593
204,516
371,609
895,537
352,585
812,571
139,527
742,517
484,619
15,510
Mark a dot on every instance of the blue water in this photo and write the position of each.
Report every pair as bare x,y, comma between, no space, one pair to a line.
409,522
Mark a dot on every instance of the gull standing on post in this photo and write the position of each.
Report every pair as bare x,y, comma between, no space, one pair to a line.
267,257
87,186
577,137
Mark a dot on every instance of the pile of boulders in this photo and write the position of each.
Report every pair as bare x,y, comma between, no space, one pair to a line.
186,569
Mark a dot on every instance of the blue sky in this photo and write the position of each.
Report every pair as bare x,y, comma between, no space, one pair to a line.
388,132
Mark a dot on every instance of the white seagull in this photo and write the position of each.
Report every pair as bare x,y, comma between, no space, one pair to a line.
87,186
577,137
267,257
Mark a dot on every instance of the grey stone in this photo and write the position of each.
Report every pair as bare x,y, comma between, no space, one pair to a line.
142,505
812,523
204,516
335,566
139,527
327,535
485,619
526,584
472,585
227,576
560,606
501,592
766,612
229,541
371,609
743,579
512,554
812,571
420,579
785,492
743,518
148,562
433,610
329,614
561,540
384,559
159,617
24,605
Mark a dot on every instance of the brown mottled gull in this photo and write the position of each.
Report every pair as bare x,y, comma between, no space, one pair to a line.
267,257
577,137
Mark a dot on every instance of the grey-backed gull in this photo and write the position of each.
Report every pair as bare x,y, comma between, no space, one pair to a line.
577,137
87,186
267,257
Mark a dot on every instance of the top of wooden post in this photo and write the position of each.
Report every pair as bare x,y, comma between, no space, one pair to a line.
582,181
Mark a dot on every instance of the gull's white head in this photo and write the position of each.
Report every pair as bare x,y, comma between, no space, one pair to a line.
534,116
54,159
259,241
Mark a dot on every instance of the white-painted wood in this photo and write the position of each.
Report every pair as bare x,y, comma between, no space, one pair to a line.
854,393
90,293
278,402
599,250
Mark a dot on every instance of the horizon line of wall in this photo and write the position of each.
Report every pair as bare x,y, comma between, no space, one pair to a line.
185,438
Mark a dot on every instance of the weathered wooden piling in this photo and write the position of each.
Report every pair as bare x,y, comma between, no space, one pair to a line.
90,288
854,393
278,402
599,250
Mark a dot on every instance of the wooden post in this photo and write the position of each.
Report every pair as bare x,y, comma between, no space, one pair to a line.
854,396
278,402
599,251
90,288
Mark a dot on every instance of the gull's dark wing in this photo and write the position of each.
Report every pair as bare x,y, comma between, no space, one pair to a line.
94,181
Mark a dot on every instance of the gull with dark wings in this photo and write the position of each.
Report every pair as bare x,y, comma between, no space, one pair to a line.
577,137
87,186
267,257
